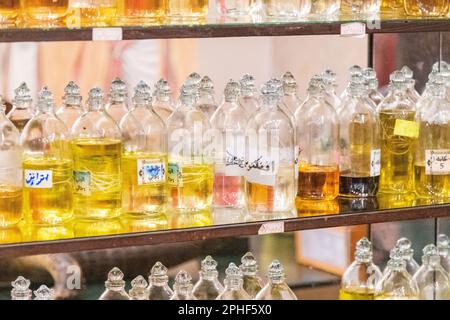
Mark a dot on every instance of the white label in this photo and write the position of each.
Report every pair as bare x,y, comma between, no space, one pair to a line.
437,162
174,175
353,29
235,162
38,179
271,227
107,34
82,181
375,162
149,172
261,168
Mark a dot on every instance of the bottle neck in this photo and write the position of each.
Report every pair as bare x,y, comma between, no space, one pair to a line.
209,275
290,90
113,286
158,281
95,106
234,283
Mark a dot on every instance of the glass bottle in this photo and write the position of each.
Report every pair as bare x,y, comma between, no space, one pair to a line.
117,106
443,246
71,108
138,289
47,166
290,89
141,13
162,100
235,8
329,81
234,289
252,282
426,8
432,279
276,287
183,287
92,13
248,98
44,13
392,8
399,133
21,111
230,120
359,280
360,8
97,149
371,82
9,11
410,83
318,166
144,158
270,148
325,9
396,283
158,287
208,286
206,102
286,9
44,293
359,146
115,286
405,247
187,11
10,172
21,289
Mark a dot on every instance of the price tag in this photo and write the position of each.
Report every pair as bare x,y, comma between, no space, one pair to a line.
38,179
149,172
271,227
353,29
82,181
437,162
174,175
375,162
107,34
406,128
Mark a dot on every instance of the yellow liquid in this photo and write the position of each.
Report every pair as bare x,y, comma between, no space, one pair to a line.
392,7
397,153
92,228
430,186
10,205
91,15
44,13
11,235
46,233
317,182
426,8
9,10
356,294
145,198
187,10
44,206
97,170
387,297
141,12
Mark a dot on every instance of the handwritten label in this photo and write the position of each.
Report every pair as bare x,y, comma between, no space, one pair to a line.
174,175
149,172
234,163
375,162
406,128
82,180
38,179
261,169
107,34
437,162
353,29
271,227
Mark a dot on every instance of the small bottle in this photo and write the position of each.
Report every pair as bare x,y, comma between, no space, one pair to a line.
21,111
443,246
290,89
424,8
115,286
276,287
187,11
117,106
44,13
234,289
287,9
252,282
325,8
158,287
9,12
97,151
432,279
138,289
141,13
47,166
182,287
208,286
359,280
248,98
329,82
21,289
410,83
92,13
206,102
71,109
44,293
162,101
371,82
405,247
360,8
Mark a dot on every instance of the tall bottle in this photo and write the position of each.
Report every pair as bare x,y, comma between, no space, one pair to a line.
234,289
206,102
138,289
44,13
71,108
286,10
115,286
183,11
426,8
270,145
399,133
404,246
144,158
290,89
9,12
252,282
443,246
183,287
359,280
162,100
276,287
248,98
230,119
21,111
21,289
97,151
10,172
47,166
92,13
141,13
117,106
158,287
317,138
208,286
44,293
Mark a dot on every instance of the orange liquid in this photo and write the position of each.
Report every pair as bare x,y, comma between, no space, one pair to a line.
318,182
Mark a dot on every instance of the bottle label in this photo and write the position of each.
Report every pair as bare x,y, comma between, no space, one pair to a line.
38,179
406,128
149,172
174,175
235,162
375,162
82,180
437,162
261,168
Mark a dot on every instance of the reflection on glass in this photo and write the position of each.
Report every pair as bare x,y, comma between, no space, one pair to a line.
307,208
89,228
44,13
358,204
179,11
426,8
150,223
92,13
44,233
192,220
10,235
392,201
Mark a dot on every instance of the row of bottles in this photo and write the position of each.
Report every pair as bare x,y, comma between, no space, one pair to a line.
403,278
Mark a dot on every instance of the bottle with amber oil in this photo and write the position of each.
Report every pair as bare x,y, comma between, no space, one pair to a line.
187,11
9,11
71,109
44,13
22,110
141,12
426,8
91,13
97,151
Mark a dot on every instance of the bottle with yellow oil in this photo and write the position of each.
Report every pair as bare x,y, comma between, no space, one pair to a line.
426,8
47,166
359,280
392,8
91,13
187,11
71,109
399,132
44,13
144,159
97,153
117,106
22,110
9,11
141,12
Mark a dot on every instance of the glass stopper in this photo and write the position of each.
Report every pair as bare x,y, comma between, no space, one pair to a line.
115,278
355,69
404,245
139,282
22,94
363,251
95,95
21,288
142,93
369,74
209,264
278,85
249,265
289,80
233,272
162,87
397,77
45,99
248,83
276,271
158,272
43,293
183,279
118,89
232,90
407,72
206,85
193,80
138,289
443,241
72,93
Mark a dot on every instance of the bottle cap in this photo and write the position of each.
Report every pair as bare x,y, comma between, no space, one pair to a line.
139,282
118,90
158,273
183,278
363,251
289,81
232,90
206,85
21,288
22,94
115,278
72,94
44,293
249,265
45,100
142,93
248,84
276,271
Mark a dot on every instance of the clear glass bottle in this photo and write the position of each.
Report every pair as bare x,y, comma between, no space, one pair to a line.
318,164
47,166
399,133
208,286
410,83
71,108
9,12
359,280
359,145
360,8
187,11
141,13
405,247
286,9
44,293
162,100
248,98
21,111
138,289
234,289
158,283
325,9
97,152
290,89
115,286
21,289
44,13
270,153
432,279
443,246
182,287
144,158
276,287
117,106
230,120
371,82
329,81
10,172
426,8
206,102
252,282
92,13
